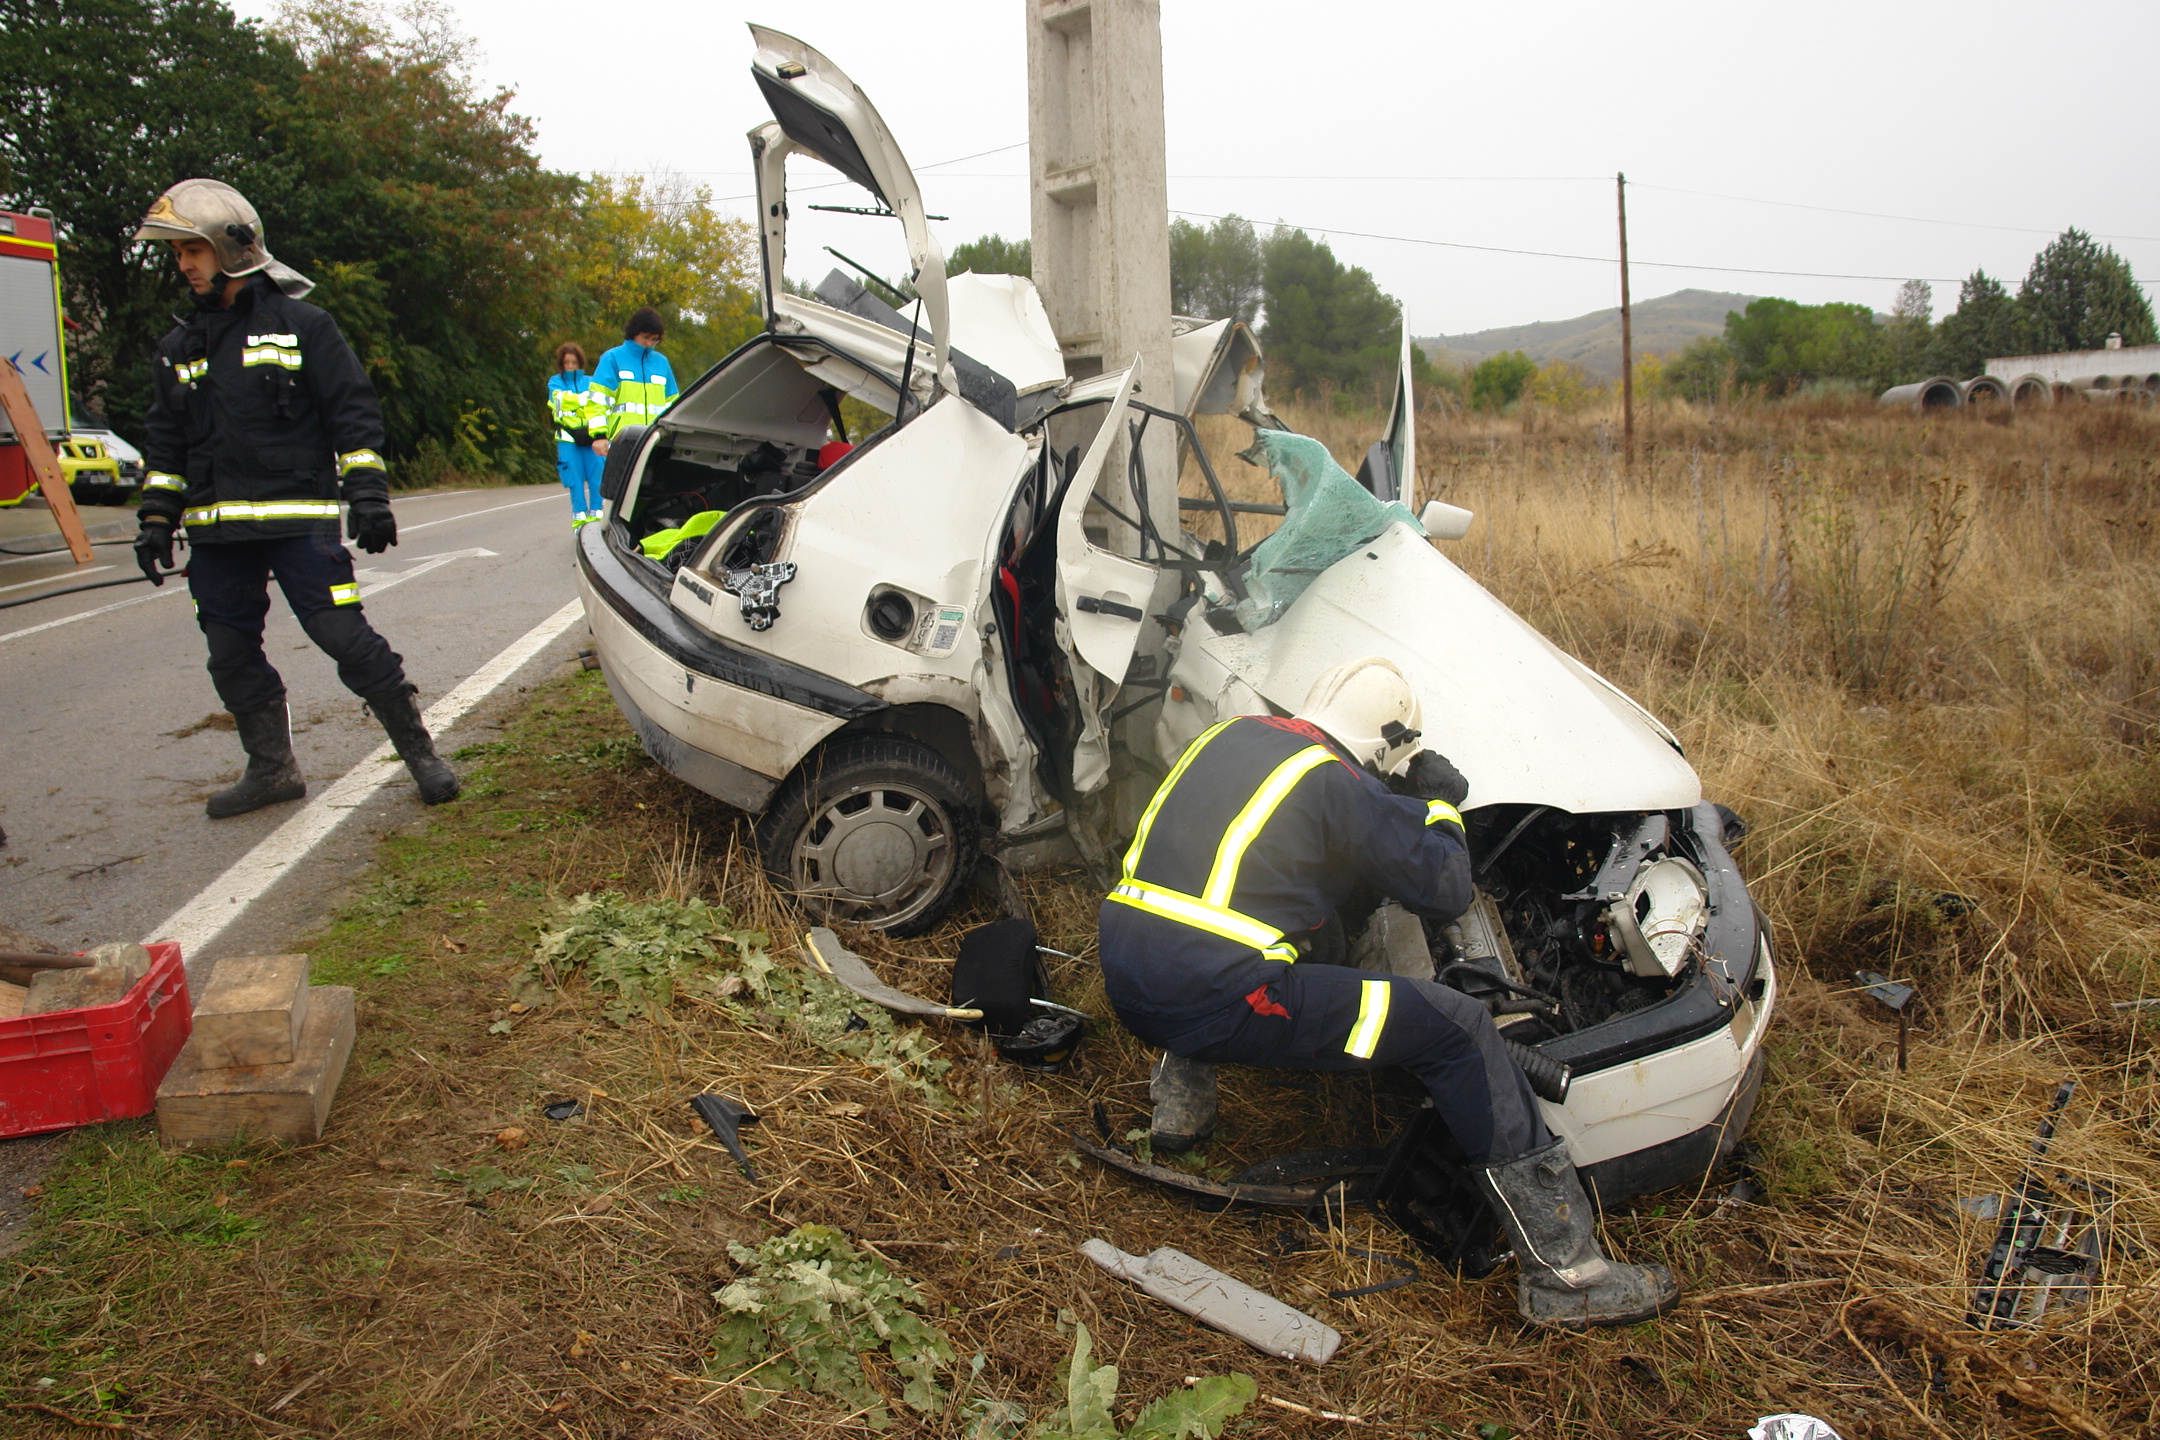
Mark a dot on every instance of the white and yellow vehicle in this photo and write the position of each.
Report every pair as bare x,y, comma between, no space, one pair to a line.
962,636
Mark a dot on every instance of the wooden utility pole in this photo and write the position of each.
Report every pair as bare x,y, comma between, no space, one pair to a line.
1627,339
29,431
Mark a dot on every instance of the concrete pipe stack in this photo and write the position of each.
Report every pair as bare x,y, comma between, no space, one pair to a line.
1938,392
1985,390
2030,389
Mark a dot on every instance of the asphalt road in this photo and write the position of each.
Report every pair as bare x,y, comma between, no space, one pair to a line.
108,745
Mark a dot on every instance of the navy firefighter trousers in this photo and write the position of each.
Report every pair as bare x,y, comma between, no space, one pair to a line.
230,583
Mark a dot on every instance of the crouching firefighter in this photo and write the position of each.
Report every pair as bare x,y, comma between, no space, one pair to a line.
1261,831
261,419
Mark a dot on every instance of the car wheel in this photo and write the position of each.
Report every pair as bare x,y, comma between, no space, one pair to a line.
875,831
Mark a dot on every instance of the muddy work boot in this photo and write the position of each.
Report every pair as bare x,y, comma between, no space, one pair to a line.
1566,1281
400,719
273,776
1184,1095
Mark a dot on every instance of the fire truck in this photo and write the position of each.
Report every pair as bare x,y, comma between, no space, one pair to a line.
33,339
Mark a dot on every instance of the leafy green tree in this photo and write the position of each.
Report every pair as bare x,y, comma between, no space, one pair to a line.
422,198
1327,324
1781,345
1499,380
992,255
1909,339
1216,271
660,243
1704,372
1986,323
2077,293
113,101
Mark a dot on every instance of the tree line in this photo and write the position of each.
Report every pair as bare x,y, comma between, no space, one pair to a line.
2075,295
452,259
1328,328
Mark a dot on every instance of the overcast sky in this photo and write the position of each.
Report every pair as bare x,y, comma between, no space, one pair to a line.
1991,126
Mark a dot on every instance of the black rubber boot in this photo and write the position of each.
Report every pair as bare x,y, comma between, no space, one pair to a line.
1566,1281
400,719
1184,1095
273,776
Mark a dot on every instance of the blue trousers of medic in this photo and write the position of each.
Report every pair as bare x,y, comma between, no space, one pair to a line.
1261,831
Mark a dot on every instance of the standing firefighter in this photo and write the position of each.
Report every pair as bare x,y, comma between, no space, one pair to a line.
1262,831
261,418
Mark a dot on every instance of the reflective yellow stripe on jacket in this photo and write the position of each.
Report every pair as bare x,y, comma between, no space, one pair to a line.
262,510
1210,910
163,480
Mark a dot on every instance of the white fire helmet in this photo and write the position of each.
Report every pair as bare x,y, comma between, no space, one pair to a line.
1370,708
212,210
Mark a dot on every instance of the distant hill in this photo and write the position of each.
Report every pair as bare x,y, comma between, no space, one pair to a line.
1664,325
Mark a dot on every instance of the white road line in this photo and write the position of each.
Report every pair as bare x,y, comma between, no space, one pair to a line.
100,610
408,529
123,604
55,579
199,922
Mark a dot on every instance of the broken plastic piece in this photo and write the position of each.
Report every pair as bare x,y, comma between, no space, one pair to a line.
758,588
1790,1427
726,1116
1216,1300
823,949
563,1110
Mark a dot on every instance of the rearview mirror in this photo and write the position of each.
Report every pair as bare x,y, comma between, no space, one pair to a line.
1443,521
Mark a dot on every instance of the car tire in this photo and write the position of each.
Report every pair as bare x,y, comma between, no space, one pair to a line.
876,830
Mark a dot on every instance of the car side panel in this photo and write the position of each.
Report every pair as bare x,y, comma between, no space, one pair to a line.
758,734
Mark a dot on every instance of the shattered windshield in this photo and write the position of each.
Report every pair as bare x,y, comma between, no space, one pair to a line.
1330,515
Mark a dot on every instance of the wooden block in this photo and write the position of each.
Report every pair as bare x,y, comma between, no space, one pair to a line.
53,990
252,1012
12,1000
287,1103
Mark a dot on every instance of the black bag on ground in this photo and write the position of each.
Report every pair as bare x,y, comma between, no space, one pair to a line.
1000,972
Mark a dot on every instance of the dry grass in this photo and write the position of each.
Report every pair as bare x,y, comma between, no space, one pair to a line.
1919,658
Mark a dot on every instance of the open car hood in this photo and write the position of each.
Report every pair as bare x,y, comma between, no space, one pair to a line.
1524,720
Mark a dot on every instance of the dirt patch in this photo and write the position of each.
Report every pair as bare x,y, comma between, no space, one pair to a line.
215,720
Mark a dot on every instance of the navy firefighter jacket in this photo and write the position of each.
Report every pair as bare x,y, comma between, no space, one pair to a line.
1260,833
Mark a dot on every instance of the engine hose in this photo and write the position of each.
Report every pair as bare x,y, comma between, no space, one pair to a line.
78,589
1549,1078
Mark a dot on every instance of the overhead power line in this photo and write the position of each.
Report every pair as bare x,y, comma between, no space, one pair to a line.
1593,259
1875,214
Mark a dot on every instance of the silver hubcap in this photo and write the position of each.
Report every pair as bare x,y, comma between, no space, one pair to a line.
875,853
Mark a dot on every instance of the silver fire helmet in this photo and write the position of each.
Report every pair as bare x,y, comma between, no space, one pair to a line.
212,210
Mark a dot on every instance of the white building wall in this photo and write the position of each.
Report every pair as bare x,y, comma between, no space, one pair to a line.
2071,366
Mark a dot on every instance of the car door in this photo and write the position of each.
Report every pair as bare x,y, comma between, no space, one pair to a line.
1390,466
1103,599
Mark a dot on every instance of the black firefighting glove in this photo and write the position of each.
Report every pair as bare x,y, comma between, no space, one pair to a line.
153,549
370,524
1432,776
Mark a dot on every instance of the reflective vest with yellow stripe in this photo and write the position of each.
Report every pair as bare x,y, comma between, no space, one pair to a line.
574,404
261,421
633,384
1259,833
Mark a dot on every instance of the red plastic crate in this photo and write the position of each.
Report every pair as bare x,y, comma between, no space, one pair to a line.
103,1062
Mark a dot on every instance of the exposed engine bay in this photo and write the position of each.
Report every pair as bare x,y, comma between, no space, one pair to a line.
1580,918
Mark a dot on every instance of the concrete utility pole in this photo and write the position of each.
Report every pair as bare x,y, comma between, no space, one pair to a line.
1100,208
1627,339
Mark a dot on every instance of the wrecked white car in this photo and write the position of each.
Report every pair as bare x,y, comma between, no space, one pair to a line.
962,634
